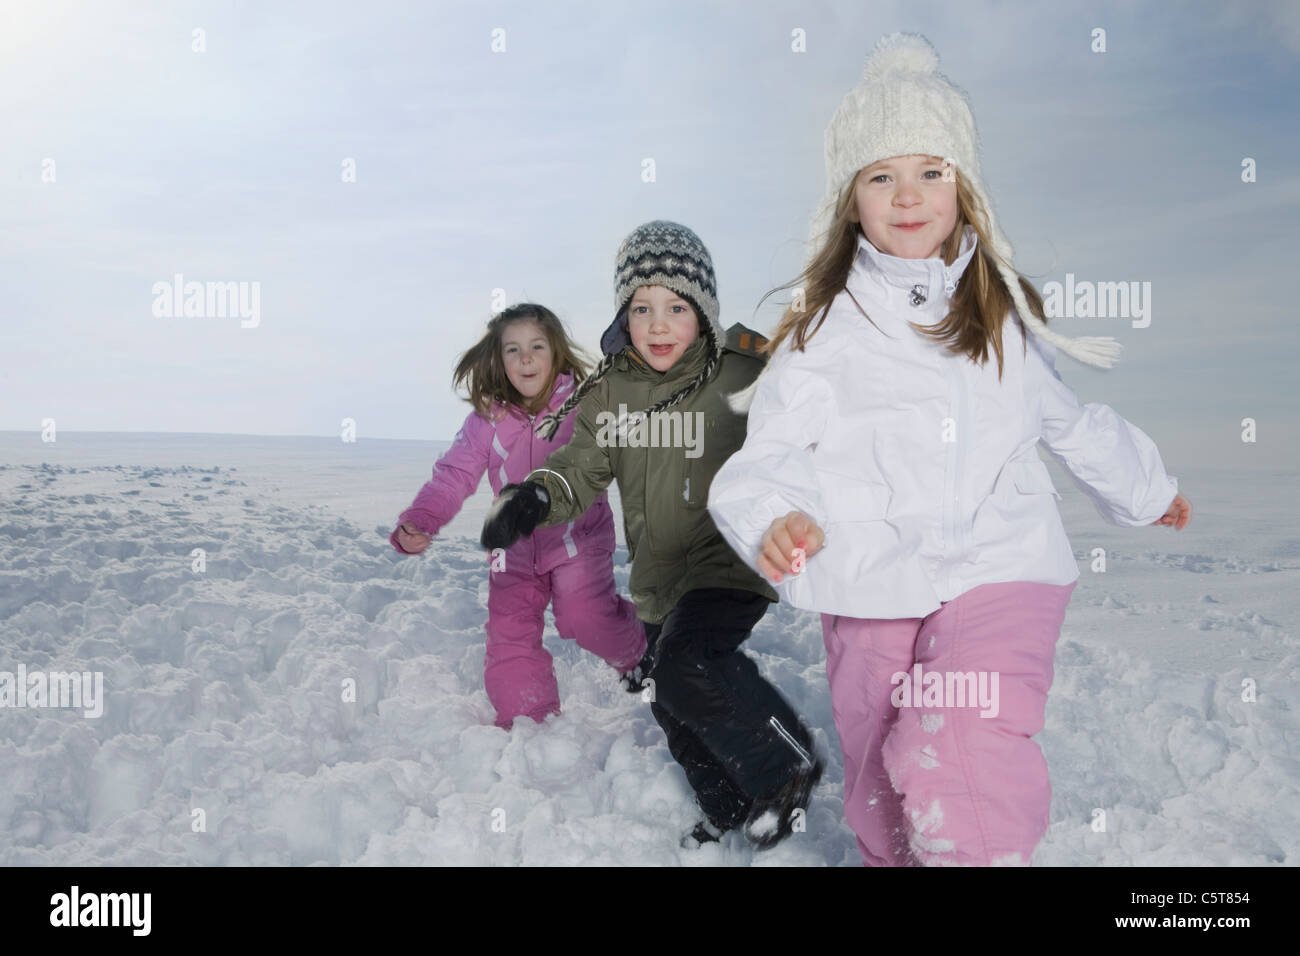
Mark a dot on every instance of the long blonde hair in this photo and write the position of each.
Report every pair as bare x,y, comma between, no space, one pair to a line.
979,304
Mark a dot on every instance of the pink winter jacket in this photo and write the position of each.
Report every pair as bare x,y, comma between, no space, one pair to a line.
508,450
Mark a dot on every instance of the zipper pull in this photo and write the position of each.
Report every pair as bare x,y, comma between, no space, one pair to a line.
949,286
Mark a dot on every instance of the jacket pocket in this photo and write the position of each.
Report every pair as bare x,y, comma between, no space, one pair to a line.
1028,478
693,492
715,437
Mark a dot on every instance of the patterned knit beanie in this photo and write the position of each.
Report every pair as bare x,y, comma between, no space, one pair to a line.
669,255
905,106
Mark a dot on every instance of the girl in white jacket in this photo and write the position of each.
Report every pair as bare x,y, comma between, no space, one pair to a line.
891,445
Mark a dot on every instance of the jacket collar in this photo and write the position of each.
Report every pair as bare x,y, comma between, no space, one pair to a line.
685,368
932,274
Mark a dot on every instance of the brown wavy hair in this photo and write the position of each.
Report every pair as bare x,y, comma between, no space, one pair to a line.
976,312
482,371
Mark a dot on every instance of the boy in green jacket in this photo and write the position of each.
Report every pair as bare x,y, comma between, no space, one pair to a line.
654,417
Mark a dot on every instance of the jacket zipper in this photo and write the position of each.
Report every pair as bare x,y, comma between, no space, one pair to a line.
646,523
531,438
965,426
955,531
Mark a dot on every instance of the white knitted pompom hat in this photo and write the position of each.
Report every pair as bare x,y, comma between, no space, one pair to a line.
904,106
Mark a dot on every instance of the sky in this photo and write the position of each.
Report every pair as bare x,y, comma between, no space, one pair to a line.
134,150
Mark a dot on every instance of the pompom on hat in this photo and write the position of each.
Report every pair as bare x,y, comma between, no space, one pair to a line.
905,106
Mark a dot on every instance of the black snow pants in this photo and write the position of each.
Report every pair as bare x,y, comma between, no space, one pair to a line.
732,732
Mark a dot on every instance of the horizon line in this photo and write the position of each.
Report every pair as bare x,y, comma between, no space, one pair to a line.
25,431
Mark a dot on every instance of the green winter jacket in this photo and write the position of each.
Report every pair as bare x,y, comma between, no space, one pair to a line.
672,541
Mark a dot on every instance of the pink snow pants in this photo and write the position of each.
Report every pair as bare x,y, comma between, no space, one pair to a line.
518,670
941,784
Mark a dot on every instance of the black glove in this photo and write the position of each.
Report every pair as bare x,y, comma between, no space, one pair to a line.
514,514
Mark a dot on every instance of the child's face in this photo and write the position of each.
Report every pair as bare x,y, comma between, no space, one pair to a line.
526,353
905,207
661,325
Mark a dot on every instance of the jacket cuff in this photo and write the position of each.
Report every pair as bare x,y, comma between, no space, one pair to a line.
1152,508
1168,492
420,519
559,495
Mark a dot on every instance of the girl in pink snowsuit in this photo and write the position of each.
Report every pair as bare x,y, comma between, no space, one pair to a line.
525,366
890,478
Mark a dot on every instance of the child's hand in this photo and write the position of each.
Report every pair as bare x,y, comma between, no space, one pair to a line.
775,552
515,514
412,539
1179,513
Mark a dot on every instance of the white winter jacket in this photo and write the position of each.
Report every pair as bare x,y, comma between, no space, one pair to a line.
919,465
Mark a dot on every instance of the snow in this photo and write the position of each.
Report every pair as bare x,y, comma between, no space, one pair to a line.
312,696
765,824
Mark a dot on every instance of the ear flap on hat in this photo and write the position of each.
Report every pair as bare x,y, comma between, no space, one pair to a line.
616,338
